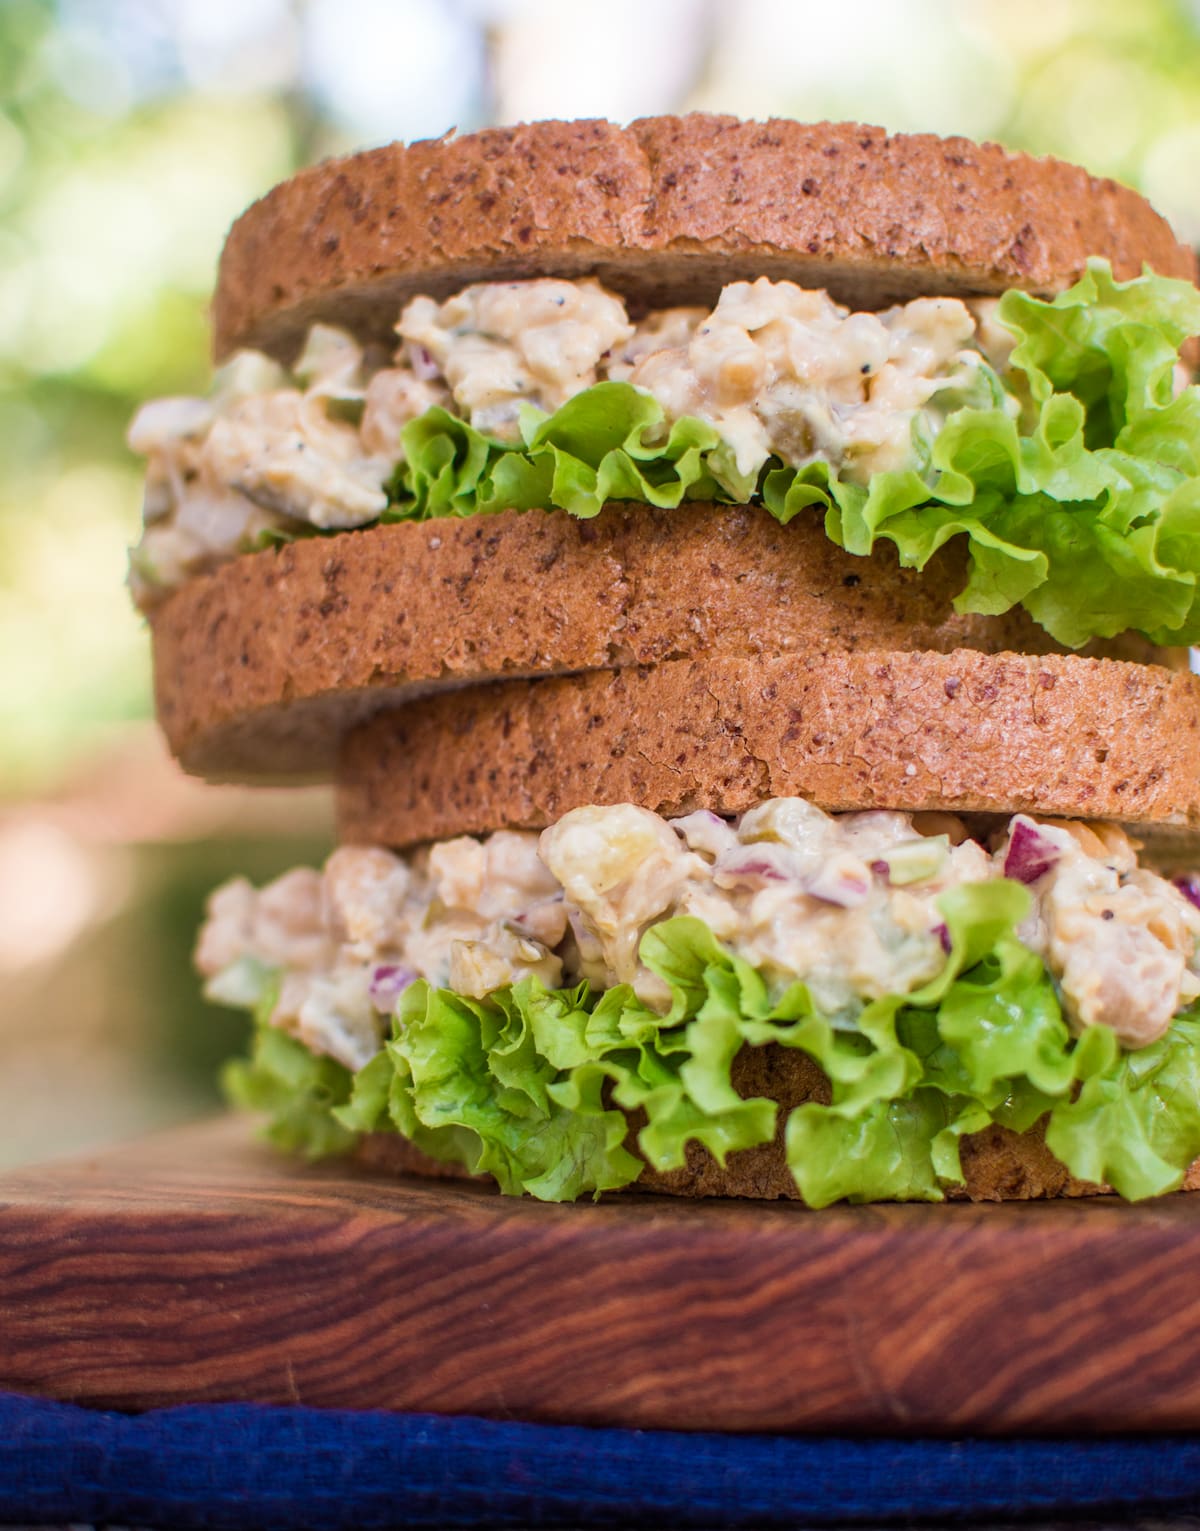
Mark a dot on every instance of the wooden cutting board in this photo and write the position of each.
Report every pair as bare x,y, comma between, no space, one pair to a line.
199,1266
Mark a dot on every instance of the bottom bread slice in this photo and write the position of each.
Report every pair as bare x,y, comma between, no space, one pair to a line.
997,1164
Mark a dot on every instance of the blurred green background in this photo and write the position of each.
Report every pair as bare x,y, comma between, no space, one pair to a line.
132,132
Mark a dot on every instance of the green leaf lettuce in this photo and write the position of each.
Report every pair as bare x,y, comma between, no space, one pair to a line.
532,1085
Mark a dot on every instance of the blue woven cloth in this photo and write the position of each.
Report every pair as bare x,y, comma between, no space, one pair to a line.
237,1465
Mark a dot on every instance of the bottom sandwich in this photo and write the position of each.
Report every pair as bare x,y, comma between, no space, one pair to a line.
873,1006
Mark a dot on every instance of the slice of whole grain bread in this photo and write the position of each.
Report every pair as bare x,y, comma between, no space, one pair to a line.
261,666
666,211
967,732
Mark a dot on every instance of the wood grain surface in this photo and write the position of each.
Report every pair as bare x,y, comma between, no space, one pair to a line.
199,1266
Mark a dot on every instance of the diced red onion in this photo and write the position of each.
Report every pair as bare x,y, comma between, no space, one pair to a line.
1189,886
942,932
757,865
749,866
838,886
706,832
388,982
1030,855
881,869
423,364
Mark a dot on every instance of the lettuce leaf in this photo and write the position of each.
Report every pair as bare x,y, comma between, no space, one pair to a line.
1087,511
608,443
1133,1122
300,1092
525,1084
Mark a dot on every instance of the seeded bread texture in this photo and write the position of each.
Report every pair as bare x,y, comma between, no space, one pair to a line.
668,210
261,666
998,1165
967,732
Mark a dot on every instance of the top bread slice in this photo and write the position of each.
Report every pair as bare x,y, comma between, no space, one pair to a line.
668,210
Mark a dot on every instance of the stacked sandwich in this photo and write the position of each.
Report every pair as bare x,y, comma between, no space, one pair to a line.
739,577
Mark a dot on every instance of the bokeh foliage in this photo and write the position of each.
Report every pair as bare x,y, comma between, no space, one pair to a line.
111,214
118,181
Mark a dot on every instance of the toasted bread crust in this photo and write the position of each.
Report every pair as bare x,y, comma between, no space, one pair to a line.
998,1165
668,210
966,732
261,666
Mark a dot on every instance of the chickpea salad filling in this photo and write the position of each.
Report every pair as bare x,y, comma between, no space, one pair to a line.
1061,438
503,1002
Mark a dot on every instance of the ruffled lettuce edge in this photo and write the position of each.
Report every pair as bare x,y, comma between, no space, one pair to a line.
532,1086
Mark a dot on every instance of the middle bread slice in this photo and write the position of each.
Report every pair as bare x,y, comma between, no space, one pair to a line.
262,665
963,731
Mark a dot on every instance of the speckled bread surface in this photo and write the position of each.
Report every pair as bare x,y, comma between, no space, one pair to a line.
261,666
967,732
667,210
998,1165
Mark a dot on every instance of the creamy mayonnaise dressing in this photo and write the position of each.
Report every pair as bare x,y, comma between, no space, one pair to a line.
845,903
503,344
784,371
260,455
776,369
1120,940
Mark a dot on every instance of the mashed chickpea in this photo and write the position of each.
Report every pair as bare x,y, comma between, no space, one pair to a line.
847,904
776,369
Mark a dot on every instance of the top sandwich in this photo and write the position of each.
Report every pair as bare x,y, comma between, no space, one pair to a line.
923,354
719,444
